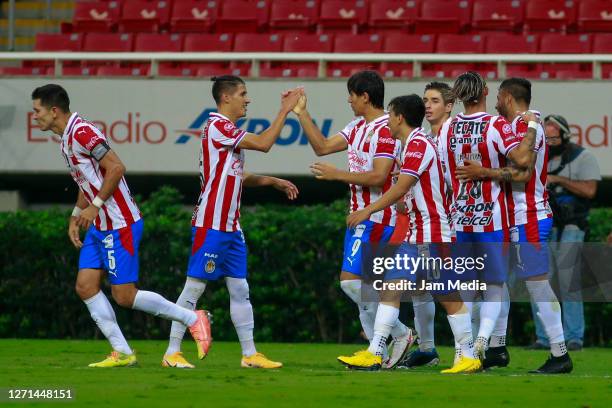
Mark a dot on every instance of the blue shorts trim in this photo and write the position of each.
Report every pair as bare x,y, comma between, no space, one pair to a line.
354,238
115,251
490,246
217,254
530,248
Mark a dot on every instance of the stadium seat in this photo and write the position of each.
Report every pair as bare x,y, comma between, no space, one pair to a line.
242,16
154,42
409,43
121,71
292,15
595,16
460,44
210,70
144,16
391,16
79,71
58,42
342,15
573,74
564,44
192,16
503,43
108,42
443,16
208,42
308,43
95,16
549,15
354,44
502,15
602,43
23,71
247,42
176,70
397,70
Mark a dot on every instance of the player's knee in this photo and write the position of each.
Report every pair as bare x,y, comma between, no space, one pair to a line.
124,296
86,290
238,290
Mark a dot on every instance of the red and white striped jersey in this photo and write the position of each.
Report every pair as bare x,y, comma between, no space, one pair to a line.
79,140
480,205
427,204
221,173
528,202
367,142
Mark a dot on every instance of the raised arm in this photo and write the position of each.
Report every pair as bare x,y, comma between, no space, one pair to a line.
320,144
256,180
523,155
373,178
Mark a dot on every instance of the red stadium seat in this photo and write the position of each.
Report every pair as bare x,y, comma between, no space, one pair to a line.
208,42
443,16
58,42
503,15
341,15
176,70
247,42
391,16
108,42
308,43
354,44
602,43
22,71
502,43
565,44
122,71
573,74
292,14
242,16
95,16
549,15
192,16
396,69
153,42
79,71
460,44
409,43
595,15
144,16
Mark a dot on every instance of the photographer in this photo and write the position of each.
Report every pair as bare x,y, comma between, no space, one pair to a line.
573,174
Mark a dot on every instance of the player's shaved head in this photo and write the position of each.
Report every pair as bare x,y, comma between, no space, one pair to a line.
519,88
411,107
469,87
52,95
225,84
369,82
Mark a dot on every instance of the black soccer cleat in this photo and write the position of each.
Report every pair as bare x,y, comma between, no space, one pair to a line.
556,365
496,357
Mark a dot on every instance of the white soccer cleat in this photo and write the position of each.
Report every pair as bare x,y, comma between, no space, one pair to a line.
400,345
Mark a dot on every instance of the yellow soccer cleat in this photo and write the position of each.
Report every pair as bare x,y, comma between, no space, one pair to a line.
362,360
176,360
464,365
116,359
258,360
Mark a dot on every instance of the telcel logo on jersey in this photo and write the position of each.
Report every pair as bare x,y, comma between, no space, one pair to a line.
293,135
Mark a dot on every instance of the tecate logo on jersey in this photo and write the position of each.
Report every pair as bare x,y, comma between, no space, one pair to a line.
292,132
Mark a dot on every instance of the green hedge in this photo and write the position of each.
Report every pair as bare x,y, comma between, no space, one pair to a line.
294,260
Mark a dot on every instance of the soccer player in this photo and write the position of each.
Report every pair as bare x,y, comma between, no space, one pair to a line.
480,207
422,178
439,100
372,153
218,245
531,224
106,210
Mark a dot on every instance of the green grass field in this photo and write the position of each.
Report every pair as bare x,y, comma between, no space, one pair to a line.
311,377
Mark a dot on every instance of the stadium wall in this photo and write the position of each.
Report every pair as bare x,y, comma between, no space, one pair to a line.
154,124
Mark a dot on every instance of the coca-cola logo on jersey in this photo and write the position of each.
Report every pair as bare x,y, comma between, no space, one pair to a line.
416,155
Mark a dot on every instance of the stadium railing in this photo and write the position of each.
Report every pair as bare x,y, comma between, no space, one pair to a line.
322,58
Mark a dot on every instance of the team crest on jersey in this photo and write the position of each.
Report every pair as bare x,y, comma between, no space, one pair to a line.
507,128
228,127
210,266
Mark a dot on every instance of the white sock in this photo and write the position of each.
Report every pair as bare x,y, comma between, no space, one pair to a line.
489,310
461,326
549,312
241,312
473,308
102,313
194,288
424,313
155,304
386,318
498,336
367,310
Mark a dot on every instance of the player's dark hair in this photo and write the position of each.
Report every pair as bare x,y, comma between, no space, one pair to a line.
469,87
51,95
444,89
224,84
519,88
369,82
411,107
